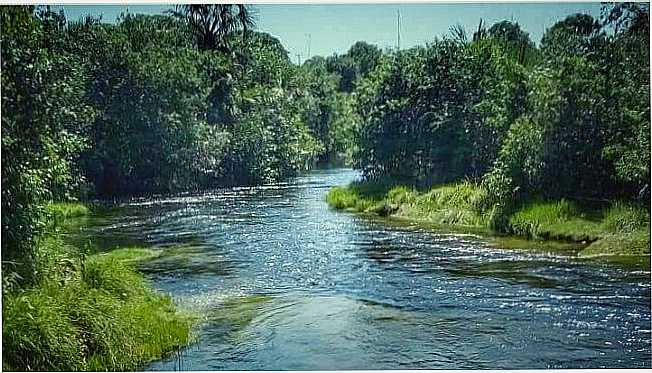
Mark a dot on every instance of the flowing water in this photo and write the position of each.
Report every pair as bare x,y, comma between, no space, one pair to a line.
283,282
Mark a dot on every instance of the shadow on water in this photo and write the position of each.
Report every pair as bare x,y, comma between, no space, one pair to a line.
510,271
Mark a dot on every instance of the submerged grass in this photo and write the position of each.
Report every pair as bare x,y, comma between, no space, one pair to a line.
89,312
620,229
237,312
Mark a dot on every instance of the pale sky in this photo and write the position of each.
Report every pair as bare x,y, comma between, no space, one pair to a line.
324,29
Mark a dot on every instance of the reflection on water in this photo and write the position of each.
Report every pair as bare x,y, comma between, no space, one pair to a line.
285,283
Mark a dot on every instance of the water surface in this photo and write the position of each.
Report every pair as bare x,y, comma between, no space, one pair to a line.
283,282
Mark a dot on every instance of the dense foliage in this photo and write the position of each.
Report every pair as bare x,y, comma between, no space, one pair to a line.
151,104
197,99
568,119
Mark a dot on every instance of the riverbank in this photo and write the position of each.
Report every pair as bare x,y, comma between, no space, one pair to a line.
616,229
88,311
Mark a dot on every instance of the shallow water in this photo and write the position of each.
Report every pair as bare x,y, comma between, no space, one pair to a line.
283,282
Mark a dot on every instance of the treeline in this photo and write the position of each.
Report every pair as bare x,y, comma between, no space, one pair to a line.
568,119
152,104
196,99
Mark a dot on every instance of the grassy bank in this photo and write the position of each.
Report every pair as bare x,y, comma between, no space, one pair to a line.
88,312
618,229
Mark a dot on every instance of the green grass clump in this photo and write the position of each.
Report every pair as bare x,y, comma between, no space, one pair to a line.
623,217
460,195
37,333
454,204
67,210
561,220
349,199
104,316
621,229
402,195
341,198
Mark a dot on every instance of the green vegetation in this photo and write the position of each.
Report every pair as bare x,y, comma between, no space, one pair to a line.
568,121
66,210
236,313
548,142
561,220
100,315
618,229
452,204
86,312
190,100
486,130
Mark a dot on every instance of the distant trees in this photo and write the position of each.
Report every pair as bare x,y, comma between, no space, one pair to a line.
155,104
359,61
570,119
151,104
212,24
330,81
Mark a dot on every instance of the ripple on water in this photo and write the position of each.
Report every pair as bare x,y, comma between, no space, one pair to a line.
284,282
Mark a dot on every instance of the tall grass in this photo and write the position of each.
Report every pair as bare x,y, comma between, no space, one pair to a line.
459,204
66,210
349,198
102,317
535,218
558,220
621,228
87,312
624,217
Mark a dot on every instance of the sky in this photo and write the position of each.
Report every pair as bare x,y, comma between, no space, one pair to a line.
323,29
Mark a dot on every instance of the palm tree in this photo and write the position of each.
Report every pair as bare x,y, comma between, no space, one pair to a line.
212,24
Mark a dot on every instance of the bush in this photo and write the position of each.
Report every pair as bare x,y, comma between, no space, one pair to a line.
44,112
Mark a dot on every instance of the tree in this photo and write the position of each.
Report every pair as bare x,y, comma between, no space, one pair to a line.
366,56
357,63
572,35
510,32
44,111
211,25
627,18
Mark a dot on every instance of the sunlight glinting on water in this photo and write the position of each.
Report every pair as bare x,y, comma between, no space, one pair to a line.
283,282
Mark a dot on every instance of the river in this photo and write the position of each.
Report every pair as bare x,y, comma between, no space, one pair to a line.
284,282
